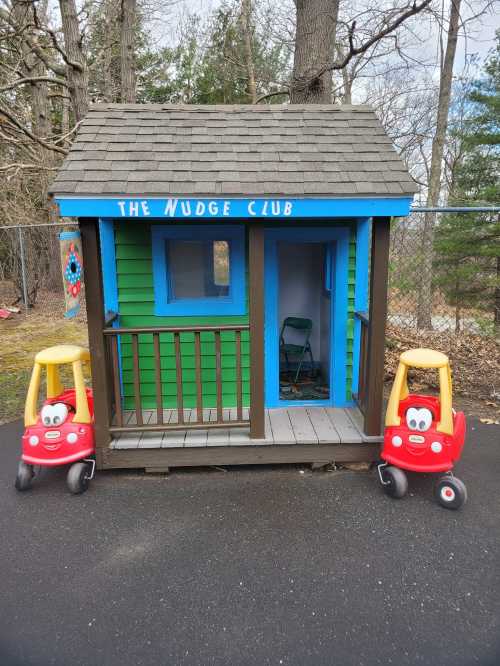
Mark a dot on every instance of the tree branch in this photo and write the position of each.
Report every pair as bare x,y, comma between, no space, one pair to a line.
12,119
33,79
272,94
353,50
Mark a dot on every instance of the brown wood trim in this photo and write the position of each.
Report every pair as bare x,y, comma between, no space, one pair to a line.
207,425
137,379
376,331
256,307
239,384
199,390
178,373
159,390
241,455
116,380
94,301
177,329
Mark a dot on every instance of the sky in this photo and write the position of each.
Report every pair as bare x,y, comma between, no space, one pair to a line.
480,39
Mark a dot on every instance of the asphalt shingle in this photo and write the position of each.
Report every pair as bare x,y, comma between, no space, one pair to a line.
294,150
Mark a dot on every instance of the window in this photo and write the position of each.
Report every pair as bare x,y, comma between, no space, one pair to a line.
199,270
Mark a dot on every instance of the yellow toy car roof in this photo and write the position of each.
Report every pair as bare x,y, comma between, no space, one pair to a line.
62,354
424,358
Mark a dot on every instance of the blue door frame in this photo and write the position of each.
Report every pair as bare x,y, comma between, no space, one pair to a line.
339,236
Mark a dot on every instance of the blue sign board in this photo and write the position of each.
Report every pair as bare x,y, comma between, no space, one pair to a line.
176,208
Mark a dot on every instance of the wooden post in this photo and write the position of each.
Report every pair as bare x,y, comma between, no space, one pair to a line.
94,299
256,306
374,387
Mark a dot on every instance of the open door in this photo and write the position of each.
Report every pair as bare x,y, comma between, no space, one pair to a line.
306,275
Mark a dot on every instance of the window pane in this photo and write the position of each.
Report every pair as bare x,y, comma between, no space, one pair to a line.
198,269
221,263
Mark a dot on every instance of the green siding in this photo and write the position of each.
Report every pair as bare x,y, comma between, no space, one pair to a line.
136,306
351,281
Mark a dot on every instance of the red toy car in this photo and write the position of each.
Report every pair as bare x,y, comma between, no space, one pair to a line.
63,432
423,433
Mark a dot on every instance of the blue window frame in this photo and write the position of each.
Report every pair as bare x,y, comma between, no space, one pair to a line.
199,270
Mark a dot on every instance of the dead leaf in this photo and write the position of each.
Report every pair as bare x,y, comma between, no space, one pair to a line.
490,421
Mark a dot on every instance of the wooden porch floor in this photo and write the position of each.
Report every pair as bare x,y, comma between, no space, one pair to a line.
293,425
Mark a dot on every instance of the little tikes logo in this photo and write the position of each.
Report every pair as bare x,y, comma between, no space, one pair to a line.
206,208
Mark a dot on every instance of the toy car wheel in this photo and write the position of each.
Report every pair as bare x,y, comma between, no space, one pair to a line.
78,478
395,482
24,476
450,492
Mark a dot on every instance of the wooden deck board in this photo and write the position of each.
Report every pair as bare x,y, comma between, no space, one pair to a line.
282,431
323,426
284,427
344,426
302,427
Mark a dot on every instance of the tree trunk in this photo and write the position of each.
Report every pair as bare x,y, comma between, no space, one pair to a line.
314,48
77,71
127,59
496,318
424,305
246,27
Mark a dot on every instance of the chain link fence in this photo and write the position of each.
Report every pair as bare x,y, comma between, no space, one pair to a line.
30,271
30,279
464,285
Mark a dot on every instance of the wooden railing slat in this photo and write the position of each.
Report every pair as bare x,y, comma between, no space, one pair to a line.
159,396
199,393
178,372
239,382
116,379
137,379
218,375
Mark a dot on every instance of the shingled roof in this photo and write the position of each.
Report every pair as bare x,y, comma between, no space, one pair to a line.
248,151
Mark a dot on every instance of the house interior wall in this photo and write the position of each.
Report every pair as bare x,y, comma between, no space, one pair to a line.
302,293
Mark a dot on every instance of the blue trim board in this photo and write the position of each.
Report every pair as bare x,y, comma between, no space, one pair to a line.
109,280
166,305
69,235
261,208
360,291
339,237
108,263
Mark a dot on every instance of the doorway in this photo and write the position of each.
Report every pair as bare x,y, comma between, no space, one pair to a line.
305,316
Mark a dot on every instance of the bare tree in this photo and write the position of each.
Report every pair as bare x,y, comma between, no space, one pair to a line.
246,30
128,21
424,306
74,58
315,44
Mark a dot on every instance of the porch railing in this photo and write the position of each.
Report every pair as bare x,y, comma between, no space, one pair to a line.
218,415
361,396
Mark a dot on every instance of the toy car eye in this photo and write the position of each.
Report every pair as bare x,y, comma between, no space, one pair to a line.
424,419
412,418
46,415
59,413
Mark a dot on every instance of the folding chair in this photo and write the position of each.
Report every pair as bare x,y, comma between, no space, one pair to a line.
287,349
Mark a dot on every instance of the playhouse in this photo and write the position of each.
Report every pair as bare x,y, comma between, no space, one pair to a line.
235,263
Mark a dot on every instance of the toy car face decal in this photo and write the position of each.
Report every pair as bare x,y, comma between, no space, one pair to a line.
419,419
54,415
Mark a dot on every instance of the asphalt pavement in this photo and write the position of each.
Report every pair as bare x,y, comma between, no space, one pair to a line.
250,566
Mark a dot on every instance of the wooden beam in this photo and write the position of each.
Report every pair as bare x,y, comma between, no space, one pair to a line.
374,387
94,299
241,455
256,308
